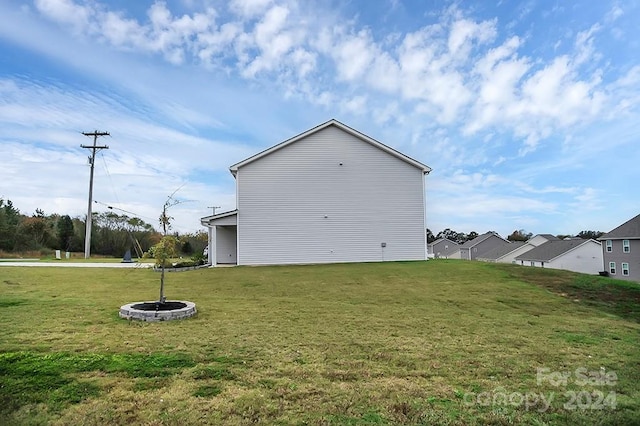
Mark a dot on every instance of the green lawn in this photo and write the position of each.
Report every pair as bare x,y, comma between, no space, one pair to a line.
438,342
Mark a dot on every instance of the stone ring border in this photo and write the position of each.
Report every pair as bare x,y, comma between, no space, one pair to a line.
130,313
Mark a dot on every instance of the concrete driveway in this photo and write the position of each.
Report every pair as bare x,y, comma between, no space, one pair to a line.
74,264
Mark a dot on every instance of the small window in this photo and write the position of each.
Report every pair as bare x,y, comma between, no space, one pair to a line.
533,263
626,248
625,269
609,246
475,249
612,268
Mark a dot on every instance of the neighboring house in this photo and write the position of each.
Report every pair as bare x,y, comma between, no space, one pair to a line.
541,239
484,243
330,194
621,251
444,248
506,252
573,255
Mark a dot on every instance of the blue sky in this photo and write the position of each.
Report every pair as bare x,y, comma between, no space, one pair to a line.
527,111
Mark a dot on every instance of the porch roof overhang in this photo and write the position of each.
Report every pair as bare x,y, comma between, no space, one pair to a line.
227,218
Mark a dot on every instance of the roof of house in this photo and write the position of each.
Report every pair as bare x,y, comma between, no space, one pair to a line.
480,238
502,250
628,230
552,249
549,237
425,169
439,240
208,219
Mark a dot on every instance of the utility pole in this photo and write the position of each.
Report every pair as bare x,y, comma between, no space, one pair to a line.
214,208
92,158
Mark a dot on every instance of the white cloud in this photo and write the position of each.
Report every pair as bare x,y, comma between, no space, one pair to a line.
67,12
613,14
249,8
353,54
464,32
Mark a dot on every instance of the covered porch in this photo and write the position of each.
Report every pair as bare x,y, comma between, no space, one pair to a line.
223,238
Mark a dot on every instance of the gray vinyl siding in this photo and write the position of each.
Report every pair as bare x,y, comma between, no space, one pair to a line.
444,249
485,246
619,257
300,205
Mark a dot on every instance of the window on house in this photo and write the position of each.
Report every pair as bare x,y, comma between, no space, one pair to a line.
612,268
625,269
533,263
626,248
609,245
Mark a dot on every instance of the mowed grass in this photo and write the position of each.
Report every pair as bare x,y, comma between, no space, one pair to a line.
439,342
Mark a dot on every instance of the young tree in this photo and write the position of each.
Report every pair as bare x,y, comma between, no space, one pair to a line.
166,248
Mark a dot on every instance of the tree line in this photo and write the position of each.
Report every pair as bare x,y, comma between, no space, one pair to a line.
517,235
112,234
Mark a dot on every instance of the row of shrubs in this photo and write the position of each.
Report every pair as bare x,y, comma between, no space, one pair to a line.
195,260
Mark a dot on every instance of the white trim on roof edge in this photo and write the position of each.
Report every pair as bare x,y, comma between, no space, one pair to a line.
333,122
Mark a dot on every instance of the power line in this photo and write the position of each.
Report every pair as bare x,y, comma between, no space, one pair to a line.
92,159
113,188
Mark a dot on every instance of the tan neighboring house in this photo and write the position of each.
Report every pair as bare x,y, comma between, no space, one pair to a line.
621,251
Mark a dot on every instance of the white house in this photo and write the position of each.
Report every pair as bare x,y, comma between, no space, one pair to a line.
576,255
330,194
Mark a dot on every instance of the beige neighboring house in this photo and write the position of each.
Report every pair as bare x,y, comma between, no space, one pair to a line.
575,255
330,194
444,248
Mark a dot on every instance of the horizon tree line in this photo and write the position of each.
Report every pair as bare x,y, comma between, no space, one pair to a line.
112,234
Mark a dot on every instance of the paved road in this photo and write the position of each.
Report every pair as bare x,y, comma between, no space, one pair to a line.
77,264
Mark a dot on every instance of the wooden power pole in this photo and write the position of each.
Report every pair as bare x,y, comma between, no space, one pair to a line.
94,148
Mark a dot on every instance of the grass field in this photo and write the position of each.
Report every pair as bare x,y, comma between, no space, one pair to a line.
439,342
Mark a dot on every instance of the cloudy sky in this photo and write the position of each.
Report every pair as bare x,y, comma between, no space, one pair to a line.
527,111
